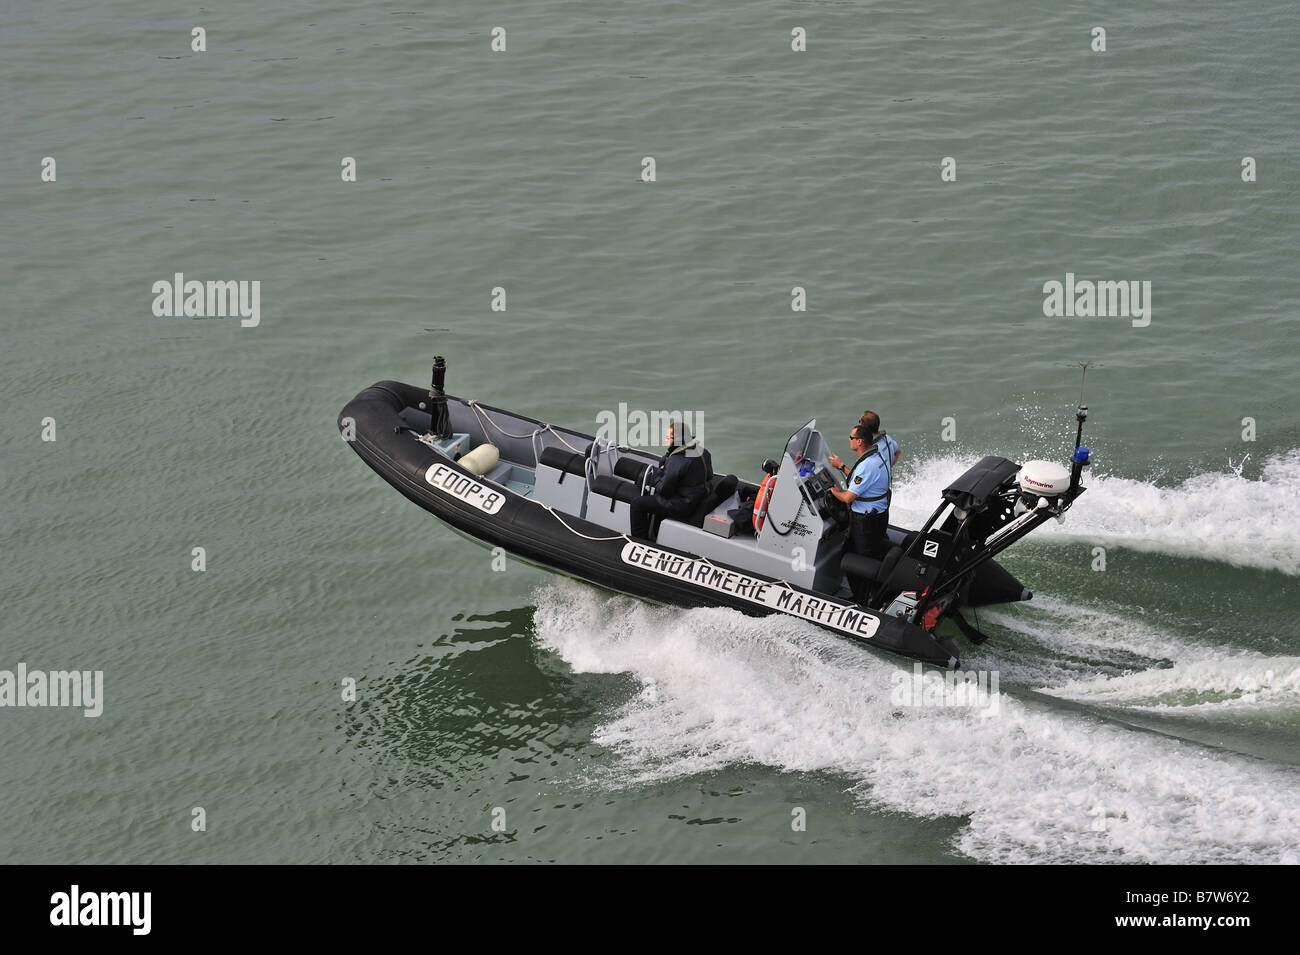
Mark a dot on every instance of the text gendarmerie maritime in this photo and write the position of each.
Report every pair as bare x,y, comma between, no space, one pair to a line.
765,592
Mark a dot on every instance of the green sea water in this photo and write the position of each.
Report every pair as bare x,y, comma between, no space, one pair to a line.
1149,705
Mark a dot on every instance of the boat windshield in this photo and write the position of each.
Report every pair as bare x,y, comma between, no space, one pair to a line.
797,446
807,444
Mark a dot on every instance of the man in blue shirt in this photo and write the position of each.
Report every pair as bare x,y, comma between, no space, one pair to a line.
868,491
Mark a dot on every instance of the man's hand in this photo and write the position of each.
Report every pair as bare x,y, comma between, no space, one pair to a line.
835,461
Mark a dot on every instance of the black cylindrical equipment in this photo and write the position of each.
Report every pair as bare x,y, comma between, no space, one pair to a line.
439,422
1081,454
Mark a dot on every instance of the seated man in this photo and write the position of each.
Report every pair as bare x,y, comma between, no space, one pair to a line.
682,485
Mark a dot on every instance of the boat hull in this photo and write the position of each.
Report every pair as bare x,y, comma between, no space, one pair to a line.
376,421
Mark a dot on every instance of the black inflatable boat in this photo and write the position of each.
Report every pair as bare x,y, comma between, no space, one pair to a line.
559,499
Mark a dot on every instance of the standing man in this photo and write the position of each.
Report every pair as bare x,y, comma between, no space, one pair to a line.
868,491
871,421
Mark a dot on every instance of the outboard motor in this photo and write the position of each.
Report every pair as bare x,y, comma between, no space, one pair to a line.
986,510
439,421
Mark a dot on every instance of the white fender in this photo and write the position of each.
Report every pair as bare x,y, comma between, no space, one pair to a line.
481,460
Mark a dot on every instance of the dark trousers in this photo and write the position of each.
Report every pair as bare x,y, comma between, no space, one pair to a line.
646,506
867,537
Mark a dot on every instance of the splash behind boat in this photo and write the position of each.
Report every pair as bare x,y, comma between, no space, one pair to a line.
560,499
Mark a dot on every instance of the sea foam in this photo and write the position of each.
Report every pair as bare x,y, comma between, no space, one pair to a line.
1034,783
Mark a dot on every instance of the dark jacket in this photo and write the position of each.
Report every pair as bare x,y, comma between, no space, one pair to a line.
686,469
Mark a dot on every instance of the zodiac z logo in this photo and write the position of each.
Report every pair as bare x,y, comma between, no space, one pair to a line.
931,549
